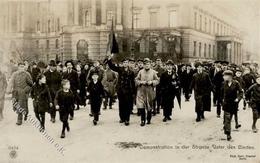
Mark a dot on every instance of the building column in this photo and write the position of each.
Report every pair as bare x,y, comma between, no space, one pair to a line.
119,12
93,12
22,16
76,12
18,17
103,12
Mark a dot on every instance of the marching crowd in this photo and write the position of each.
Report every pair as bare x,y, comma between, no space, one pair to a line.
149,85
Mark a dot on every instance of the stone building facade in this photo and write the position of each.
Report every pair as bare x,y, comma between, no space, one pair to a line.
79,29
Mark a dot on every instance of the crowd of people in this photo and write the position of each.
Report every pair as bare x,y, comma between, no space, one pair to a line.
149,85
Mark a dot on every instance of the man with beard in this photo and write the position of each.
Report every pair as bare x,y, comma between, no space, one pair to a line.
53,81
20,86
72,76
170,87
125,89
202,86
146,80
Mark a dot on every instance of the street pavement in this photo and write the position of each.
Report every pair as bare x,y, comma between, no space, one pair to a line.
179,140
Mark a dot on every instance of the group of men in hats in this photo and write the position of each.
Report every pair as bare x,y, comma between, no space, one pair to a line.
149,85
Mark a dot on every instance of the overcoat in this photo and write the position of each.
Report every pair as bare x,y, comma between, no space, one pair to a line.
202,86
146,93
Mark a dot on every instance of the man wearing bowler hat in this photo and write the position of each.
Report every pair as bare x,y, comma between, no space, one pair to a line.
53,81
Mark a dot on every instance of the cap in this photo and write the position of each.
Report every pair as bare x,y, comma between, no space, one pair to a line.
169,62
147,60
228,73
52,63
197,64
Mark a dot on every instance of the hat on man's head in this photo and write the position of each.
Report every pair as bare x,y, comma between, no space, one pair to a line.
224,63
52,63
169,62
140,60
197,64
147,60
228,73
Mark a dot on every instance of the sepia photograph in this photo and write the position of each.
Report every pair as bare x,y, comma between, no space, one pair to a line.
129,81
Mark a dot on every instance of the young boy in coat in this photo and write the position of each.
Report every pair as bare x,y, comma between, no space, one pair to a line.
64,102
96,93
42,101
253,93
231,94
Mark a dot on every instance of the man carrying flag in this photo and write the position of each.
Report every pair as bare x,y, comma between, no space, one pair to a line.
126,80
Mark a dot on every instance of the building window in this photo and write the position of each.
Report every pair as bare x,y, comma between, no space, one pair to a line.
195,20
173,18
38,26
200,22
209,26
137,21
58,24
209,51
194,48
206,23
214,24
37,44
205,50
47,44
153,19
213,50
87,19
200,49
57,44
218,29
49,26
110,17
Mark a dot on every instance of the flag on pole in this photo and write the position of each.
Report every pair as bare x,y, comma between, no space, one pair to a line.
112,46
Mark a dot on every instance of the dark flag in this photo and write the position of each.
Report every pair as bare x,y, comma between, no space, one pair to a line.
112,44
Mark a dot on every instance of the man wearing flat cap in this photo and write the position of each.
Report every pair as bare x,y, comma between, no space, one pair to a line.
53,81
146,81
20,86
202,86
125,89
231,93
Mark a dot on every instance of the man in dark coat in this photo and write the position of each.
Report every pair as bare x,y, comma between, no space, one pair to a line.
158,68
231,94
72,76
202,86
35,71
253,94
170,87
82,78
125,89
217,81
53,81
248,80
186,81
